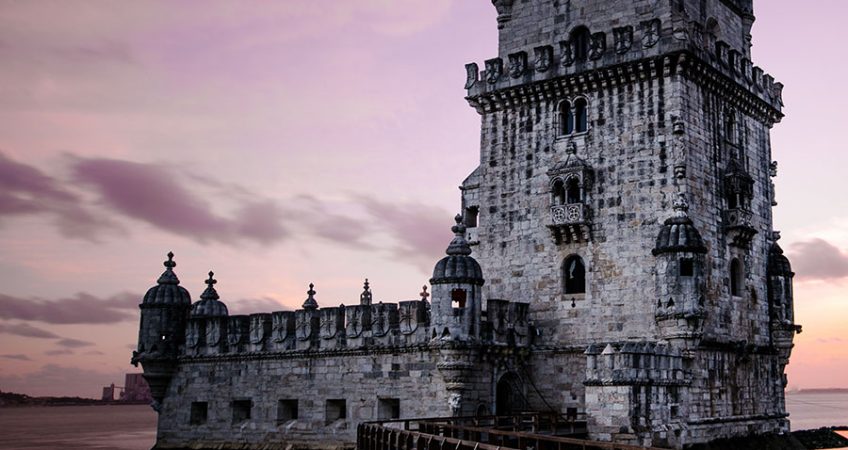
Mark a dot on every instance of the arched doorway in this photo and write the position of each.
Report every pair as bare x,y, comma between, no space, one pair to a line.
509,396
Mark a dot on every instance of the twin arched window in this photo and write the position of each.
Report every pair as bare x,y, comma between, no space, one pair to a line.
574,118
574,275
567,192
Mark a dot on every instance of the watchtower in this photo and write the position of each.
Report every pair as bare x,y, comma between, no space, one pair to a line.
624,190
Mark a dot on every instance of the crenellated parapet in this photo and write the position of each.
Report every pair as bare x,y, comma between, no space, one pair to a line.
592,58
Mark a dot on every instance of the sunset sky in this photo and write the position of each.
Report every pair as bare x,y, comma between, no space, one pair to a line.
283,143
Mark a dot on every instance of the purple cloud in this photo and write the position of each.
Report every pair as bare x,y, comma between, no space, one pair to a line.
153,194
74,343
81,309
59,352
17,357
817,259
26,190
25,330
422,232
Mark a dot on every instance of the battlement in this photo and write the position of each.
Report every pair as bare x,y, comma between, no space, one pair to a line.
616,55
357,327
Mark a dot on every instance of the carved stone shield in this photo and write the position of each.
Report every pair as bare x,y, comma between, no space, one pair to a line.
281,325
193,334
213,332
303,325
257,328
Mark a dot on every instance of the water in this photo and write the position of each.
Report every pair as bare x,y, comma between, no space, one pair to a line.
134,427
126,427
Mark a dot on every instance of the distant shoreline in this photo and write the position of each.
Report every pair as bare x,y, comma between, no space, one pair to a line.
12,400
818,391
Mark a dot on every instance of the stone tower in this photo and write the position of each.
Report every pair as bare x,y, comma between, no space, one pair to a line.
624,191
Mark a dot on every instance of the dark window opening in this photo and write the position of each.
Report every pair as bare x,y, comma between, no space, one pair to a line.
286,410
732,201
730,126
241,410
335,410
575,275
572,190
199,413
687,267
580,37
559,192
388,408
581,111
471,216
458,298
735,277
566,117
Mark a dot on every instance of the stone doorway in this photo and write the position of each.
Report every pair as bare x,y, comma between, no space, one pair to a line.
509,395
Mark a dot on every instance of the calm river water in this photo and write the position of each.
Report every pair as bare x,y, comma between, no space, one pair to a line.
134,427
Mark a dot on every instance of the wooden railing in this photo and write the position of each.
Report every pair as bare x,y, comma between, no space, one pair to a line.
519,432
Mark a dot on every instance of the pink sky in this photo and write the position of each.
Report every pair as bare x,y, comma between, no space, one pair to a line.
282,143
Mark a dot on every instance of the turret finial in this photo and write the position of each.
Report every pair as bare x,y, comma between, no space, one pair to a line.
310,302
458,246
424,294
168,276
210,293
365,297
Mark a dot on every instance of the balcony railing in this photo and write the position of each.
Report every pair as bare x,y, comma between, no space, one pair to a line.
571,214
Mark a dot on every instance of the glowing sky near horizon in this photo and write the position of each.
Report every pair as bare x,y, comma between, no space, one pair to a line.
283,143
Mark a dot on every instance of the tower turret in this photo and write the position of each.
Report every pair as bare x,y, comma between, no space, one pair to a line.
457,290
164,313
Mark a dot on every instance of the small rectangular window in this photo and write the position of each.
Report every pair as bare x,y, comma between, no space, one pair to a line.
241,410
471,216
199,413
336,410
286,410
687,267
388,408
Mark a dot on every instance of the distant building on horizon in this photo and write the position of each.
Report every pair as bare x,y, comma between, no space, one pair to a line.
135,389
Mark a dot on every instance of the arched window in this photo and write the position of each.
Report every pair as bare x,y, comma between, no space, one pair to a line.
735,277
581,112
574,273
558,192
580,37
566,118
572,190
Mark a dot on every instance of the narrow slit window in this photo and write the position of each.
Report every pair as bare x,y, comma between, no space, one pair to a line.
735,277
471,216
580,36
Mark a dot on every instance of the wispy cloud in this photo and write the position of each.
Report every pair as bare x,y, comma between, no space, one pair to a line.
17,357
817,259
81,309
26,190
74,343
59,352
26,330
153,194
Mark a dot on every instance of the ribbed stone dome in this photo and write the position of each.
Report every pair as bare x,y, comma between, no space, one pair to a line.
209,305
778,263
458,266
678,234
168,290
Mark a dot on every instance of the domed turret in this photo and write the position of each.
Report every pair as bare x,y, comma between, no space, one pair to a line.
458,266
161,337
167,290
209,304
678,234
457,294
778,263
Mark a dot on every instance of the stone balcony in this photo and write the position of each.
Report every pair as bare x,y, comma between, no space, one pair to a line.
738,224
570,223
